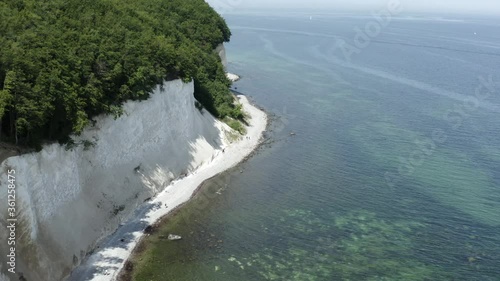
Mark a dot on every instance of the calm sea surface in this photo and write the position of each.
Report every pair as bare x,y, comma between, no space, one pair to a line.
394,170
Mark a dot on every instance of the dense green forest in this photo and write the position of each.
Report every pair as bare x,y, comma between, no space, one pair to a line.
62,62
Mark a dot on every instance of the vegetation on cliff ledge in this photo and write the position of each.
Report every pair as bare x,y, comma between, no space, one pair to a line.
63,62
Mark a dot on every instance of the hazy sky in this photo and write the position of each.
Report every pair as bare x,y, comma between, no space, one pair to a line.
438,6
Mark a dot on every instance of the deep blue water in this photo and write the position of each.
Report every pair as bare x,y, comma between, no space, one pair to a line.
393,173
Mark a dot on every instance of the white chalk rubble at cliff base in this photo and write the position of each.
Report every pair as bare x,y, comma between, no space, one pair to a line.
232,77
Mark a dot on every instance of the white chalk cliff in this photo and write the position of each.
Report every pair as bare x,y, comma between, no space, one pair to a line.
67,200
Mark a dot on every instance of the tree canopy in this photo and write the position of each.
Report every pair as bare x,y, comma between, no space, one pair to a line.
62,62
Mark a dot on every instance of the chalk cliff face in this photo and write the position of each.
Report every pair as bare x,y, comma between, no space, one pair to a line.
221,51
69,199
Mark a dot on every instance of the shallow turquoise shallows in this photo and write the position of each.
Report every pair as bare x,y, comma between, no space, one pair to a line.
393,172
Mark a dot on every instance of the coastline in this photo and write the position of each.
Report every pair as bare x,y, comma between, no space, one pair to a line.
106,262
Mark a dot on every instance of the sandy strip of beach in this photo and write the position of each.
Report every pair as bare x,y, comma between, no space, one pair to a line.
106,263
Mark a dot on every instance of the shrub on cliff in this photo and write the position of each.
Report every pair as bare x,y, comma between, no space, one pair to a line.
62,62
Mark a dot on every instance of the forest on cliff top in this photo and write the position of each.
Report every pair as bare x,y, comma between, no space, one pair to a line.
63,62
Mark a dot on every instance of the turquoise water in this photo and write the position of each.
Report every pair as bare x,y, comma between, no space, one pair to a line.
393,173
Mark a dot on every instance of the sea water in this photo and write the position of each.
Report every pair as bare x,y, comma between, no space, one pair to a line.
382,163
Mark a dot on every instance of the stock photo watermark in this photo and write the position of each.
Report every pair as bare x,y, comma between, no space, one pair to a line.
364,35
209,190
11,220
215,186
225,6
455,118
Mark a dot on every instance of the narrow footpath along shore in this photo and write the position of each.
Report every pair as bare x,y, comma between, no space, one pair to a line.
106,263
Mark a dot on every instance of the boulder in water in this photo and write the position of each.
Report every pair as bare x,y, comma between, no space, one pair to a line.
173,237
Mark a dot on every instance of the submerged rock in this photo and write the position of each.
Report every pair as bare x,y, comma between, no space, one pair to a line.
173,237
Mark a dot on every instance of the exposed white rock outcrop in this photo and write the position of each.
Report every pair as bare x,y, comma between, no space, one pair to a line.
221,51
69,199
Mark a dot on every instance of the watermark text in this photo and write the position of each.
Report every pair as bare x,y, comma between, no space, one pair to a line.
11,220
